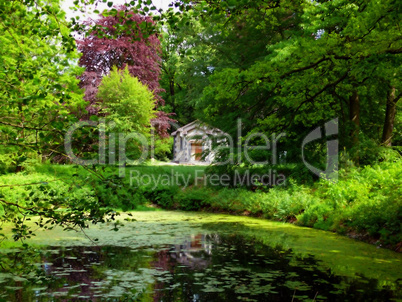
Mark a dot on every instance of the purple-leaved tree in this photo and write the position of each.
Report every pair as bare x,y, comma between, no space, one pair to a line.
138,48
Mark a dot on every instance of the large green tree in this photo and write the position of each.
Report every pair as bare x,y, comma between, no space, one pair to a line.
210,39
128,106
38,95
127,102
38,84
334,59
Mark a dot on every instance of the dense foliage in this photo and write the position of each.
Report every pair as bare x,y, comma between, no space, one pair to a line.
288,66
38,85
129,108
129,103
103,48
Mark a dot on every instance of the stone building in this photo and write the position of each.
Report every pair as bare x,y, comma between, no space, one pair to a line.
192,143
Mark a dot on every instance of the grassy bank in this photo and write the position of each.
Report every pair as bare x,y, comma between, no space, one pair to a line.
365,203
44,182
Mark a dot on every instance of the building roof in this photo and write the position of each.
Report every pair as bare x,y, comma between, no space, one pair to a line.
197,125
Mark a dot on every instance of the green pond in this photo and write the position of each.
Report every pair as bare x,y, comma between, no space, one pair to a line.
175,256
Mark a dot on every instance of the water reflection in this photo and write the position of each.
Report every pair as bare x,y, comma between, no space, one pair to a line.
193,252
200,267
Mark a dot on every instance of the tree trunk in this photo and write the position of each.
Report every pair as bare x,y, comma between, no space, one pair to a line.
172,93
171,86
354,116
389,118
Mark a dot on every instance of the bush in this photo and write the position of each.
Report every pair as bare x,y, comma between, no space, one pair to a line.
364,199
319,216
292,202
240,176
192,199
161,195
232,200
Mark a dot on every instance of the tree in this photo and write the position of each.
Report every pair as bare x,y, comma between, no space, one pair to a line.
217,38
334,59
39,93
390,114
38,85
128,103
128,106
135,49
176,95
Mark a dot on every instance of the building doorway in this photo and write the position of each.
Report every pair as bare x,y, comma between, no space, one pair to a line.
196,151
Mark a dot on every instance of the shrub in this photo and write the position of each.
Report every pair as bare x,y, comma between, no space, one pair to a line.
292,203
192,199
364,199
161,195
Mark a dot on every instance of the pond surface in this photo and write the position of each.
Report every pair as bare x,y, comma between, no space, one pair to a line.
173,256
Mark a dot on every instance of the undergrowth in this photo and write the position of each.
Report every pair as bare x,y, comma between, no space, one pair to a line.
365,201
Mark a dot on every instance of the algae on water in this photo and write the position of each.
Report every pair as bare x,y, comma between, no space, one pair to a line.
211,256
